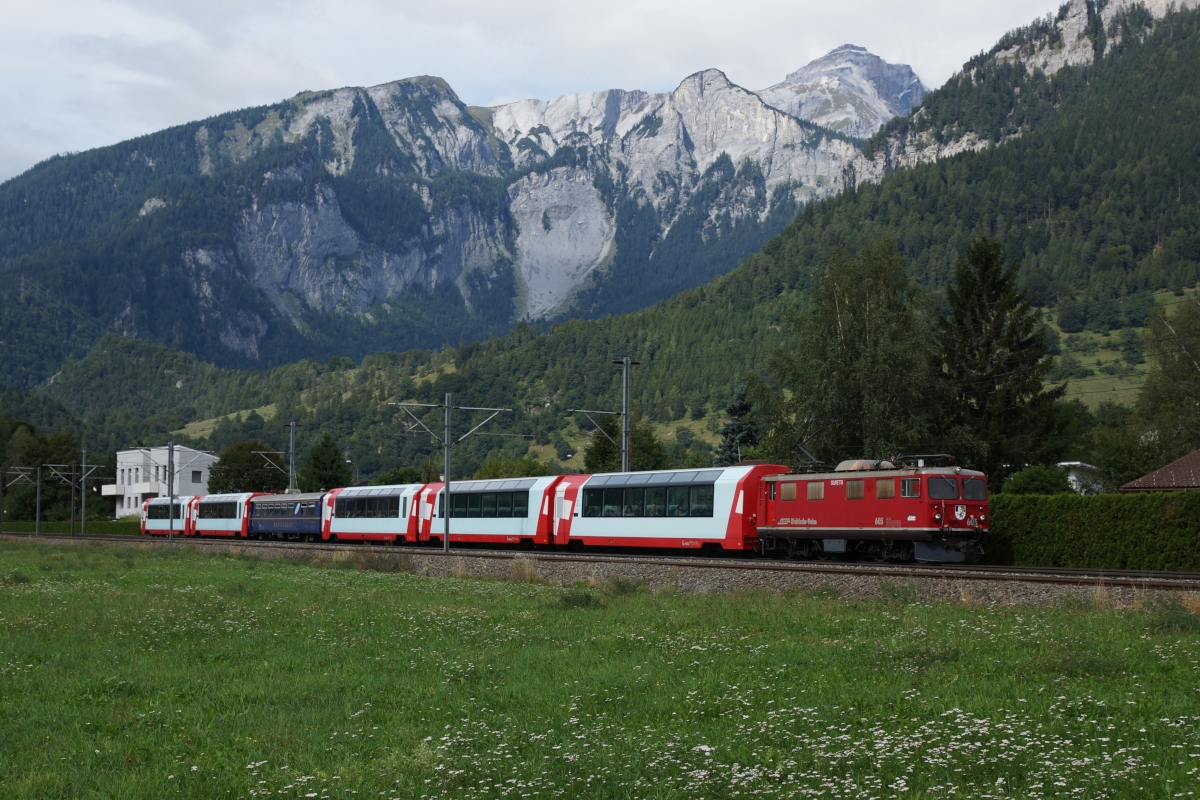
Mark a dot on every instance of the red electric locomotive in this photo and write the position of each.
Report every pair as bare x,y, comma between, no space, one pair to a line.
876,509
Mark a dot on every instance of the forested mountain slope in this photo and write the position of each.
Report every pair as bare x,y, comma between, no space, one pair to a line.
1099,200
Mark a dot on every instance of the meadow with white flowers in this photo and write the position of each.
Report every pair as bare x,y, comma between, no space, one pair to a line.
151,673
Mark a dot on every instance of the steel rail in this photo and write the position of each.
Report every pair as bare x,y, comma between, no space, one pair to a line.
976,572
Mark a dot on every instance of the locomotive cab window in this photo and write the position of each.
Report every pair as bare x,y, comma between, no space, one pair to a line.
885,488
910,487
854,490
816,490
787,491
974,489
943,488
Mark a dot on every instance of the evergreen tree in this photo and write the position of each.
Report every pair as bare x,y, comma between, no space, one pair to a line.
739,433
397,476
993,348
646,452
431,471
326,468
248,467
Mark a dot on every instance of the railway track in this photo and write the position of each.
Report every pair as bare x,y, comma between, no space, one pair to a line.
1186,581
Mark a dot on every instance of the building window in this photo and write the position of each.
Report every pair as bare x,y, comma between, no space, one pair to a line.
885,488
854,490
910,487
196,476
816,490
787,491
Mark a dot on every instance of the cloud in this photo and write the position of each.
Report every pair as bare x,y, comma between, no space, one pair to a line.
76,74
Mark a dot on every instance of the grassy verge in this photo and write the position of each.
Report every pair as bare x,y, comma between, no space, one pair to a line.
130,673
106,527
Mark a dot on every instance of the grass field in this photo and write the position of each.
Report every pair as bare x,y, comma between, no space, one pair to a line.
130,673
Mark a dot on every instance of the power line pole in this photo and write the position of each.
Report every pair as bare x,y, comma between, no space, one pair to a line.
626,362
37,514
446,443
446,480
72,482
291,426
83,473
170,490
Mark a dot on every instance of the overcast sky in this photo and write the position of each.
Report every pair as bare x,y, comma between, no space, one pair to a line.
77,74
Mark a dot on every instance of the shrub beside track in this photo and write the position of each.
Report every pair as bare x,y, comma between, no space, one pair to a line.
1143,531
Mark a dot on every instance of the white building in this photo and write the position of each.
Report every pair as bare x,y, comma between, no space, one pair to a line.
142,474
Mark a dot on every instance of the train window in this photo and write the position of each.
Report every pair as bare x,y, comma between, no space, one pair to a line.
160,512
612,502
854,490
217,511
677,501
504,504
885,488
489,505
593,502
771,490
634,502
816,490
520,503
405,512
656,502
941,488
910,487
702,500
474,505
787,491
974,489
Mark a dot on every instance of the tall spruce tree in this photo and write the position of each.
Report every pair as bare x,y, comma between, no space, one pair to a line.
326,468
994,361
739,433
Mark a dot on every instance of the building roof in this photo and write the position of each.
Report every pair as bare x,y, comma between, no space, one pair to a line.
1178,476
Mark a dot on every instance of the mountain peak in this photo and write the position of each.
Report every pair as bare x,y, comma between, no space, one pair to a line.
849,89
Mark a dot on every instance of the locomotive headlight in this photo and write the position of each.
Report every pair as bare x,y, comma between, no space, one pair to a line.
937,516
982,517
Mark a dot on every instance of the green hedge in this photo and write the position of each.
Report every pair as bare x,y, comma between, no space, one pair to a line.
130,527
1144,530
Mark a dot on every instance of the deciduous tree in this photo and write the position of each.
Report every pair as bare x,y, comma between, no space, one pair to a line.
248,467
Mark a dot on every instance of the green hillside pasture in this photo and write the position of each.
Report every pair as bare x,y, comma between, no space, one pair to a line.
133,673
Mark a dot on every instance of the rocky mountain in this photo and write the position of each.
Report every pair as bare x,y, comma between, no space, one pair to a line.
350,220
848,90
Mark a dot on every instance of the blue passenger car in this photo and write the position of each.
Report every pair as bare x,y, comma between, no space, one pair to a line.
286,516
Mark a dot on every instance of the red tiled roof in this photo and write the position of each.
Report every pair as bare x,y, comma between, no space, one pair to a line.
1177,476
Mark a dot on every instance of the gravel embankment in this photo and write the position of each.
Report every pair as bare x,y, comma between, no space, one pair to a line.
703,578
